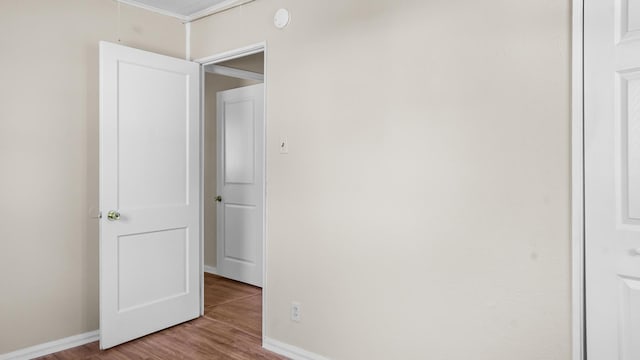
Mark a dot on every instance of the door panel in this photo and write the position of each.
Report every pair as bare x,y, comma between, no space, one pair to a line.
239,163
149,174
153,172
240,125
240,232
628,19
151,266
630,317
628,103
612,178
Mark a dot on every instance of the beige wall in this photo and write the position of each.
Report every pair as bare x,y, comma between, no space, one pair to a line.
423,208
213,84
49,158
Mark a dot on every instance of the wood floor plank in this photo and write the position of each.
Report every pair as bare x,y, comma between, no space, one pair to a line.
218,290
233,341
230,329
244,314
181,342
129,351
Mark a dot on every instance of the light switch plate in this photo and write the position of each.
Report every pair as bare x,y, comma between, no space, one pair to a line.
284,145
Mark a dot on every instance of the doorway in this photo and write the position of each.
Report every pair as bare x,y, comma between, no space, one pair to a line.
152,165
233,168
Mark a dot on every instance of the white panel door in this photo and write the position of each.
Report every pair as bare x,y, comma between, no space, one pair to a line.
240,142
612,178
149,193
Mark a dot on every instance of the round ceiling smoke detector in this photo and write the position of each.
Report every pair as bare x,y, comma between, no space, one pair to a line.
281,18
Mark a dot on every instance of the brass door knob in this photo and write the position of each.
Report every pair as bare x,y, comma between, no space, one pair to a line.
113,215
219,198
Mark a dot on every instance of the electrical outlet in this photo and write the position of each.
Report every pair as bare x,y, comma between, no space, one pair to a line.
296,310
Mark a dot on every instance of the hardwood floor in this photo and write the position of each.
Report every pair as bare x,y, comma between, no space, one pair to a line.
231,328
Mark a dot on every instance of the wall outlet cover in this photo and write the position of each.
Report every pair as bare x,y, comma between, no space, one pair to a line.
296,311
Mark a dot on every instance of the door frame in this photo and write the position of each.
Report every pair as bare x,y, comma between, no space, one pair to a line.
210,60
578,315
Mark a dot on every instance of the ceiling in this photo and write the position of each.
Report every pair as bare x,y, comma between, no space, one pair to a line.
187,10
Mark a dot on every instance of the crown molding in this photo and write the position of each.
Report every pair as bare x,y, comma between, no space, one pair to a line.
225,5
153,9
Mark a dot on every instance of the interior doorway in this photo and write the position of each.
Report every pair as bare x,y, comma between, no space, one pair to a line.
233,170
153,158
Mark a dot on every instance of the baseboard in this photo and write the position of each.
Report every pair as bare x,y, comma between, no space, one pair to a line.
290,351
211,270
52,346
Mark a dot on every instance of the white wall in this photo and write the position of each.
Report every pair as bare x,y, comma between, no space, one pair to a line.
423,209
49,158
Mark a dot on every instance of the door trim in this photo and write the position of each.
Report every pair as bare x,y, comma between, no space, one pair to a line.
236,73
234,54
210,60
578,328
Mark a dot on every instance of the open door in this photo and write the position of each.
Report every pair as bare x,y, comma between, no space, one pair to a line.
149,193
240,142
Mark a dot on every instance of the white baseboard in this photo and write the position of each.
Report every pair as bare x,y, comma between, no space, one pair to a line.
52,346
290,351
210,270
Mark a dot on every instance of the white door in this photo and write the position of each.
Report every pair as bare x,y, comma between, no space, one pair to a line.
149,186
240,141
612,178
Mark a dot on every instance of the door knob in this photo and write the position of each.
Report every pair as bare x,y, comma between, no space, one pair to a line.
219,198
113,215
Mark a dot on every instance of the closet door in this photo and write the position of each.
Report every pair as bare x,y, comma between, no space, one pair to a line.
612,178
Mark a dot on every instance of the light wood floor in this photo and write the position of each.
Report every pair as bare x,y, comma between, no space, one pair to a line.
231,328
